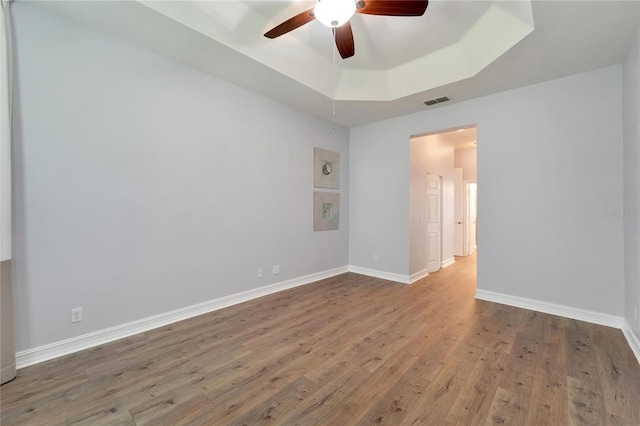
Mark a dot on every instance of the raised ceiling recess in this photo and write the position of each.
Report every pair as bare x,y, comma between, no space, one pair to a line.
464,49
397,56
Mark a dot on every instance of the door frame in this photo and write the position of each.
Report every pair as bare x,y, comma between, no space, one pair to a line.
439,242
466,223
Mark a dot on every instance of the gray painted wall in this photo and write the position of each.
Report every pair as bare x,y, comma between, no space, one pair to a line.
631,111
143,186
550,167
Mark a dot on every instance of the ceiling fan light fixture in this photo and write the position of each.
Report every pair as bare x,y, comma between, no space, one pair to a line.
334,13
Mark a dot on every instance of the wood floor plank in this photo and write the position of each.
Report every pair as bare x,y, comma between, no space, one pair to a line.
435,403
344,351
586,399
336,381
242,399
517,379
506,408
109,413
617,379
278,407
372,389
397,403
549,402
35,388
180,406
473,405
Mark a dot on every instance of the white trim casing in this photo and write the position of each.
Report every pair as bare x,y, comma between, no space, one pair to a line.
97,338
632,339
448,262
418,276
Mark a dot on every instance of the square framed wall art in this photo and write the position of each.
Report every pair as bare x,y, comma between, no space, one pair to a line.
326,211
326,168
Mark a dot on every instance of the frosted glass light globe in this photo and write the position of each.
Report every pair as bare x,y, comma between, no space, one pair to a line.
334,13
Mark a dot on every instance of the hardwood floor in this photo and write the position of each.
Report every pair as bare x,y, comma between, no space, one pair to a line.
350,350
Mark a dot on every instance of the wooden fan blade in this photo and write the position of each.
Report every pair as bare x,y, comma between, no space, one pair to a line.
393,7
344,40
291,24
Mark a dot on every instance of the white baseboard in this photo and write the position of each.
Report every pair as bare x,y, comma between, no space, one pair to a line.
86,341
97,338
402,279
418,276
552,308
448,262
632,339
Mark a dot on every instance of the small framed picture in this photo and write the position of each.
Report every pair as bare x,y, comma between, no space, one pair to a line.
326,211
326,168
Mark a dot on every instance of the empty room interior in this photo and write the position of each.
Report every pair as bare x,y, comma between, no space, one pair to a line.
327,212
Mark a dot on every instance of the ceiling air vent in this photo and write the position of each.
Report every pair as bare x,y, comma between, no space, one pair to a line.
437,100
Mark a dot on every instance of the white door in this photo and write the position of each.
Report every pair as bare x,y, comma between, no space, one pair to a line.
458,213
472,216
433,223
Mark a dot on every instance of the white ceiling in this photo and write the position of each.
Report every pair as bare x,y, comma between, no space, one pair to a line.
462,49
463,138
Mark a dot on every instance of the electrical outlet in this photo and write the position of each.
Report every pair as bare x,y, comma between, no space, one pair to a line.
276,269
259,272
376,258
76,315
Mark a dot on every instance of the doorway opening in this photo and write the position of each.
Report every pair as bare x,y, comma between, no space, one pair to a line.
443,198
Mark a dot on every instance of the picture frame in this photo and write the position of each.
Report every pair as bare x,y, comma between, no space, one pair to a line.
326,169
326,211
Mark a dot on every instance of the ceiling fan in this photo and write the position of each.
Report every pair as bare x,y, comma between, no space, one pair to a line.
336,14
